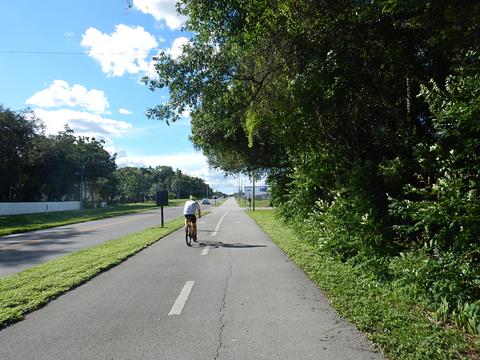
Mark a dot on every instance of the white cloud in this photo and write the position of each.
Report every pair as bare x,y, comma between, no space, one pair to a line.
192,164
177,47
161,10
126,50
186,115
112,149
124,111
214,178
83,123
60,93
184,162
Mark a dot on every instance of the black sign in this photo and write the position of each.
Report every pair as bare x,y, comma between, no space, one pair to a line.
162,198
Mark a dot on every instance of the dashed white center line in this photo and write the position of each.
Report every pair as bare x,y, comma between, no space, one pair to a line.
218,225
181,299
205,251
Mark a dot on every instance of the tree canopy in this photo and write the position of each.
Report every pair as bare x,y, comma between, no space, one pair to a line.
37,167
362,113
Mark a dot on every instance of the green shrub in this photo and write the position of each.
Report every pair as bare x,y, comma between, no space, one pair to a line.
439,212
350,231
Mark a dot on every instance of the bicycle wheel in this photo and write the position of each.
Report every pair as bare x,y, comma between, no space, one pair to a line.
188,239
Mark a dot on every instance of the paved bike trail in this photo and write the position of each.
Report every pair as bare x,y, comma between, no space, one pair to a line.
248,301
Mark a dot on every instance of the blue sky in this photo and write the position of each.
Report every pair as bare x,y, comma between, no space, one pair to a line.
79,62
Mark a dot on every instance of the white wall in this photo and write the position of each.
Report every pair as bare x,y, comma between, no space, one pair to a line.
14,208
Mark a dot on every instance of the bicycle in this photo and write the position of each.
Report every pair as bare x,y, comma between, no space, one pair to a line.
189,235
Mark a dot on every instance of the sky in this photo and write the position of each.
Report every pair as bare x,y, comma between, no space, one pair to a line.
80,63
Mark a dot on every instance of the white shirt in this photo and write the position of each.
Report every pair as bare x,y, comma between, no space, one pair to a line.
190,207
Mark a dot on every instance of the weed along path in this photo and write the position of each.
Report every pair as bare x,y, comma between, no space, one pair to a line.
235,295
22,251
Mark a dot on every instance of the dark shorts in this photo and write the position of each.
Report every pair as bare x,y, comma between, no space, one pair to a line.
192,218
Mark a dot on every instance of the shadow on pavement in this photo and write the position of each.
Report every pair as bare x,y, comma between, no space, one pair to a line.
29,249
45,234
219,244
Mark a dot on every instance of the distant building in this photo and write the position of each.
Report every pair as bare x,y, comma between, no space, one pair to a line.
261,192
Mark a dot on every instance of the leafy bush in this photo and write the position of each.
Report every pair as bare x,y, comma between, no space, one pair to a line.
435,277
348,230
440,213
467,316
432,255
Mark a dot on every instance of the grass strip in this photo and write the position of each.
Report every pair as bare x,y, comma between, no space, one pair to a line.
402,329
13,224
32,288
242,202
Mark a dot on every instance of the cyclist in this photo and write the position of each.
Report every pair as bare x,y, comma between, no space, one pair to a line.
189,210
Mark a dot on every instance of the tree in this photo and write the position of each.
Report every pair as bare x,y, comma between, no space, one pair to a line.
96,166
18,135
36,167
325,96
162,177
271,87
57,166
136,184
128,180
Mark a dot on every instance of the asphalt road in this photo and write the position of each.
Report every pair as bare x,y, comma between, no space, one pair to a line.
237,296
21,251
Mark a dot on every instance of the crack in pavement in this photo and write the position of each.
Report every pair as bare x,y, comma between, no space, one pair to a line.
222,308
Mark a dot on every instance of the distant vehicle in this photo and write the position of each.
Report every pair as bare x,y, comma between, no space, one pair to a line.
205,201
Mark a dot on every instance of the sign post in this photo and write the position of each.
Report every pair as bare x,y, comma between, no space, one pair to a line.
162,200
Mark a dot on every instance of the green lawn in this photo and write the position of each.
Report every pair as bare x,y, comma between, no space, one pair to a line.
258,203
402,329
28,290
20,223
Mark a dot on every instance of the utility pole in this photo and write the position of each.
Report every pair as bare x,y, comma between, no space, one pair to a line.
240,194
178,184
253,190
81,180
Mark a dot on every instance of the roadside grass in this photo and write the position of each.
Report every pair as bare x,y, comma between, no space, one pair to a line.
241,202
218,202
13,224
401,328
258,203
176,202
32,288
262,203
